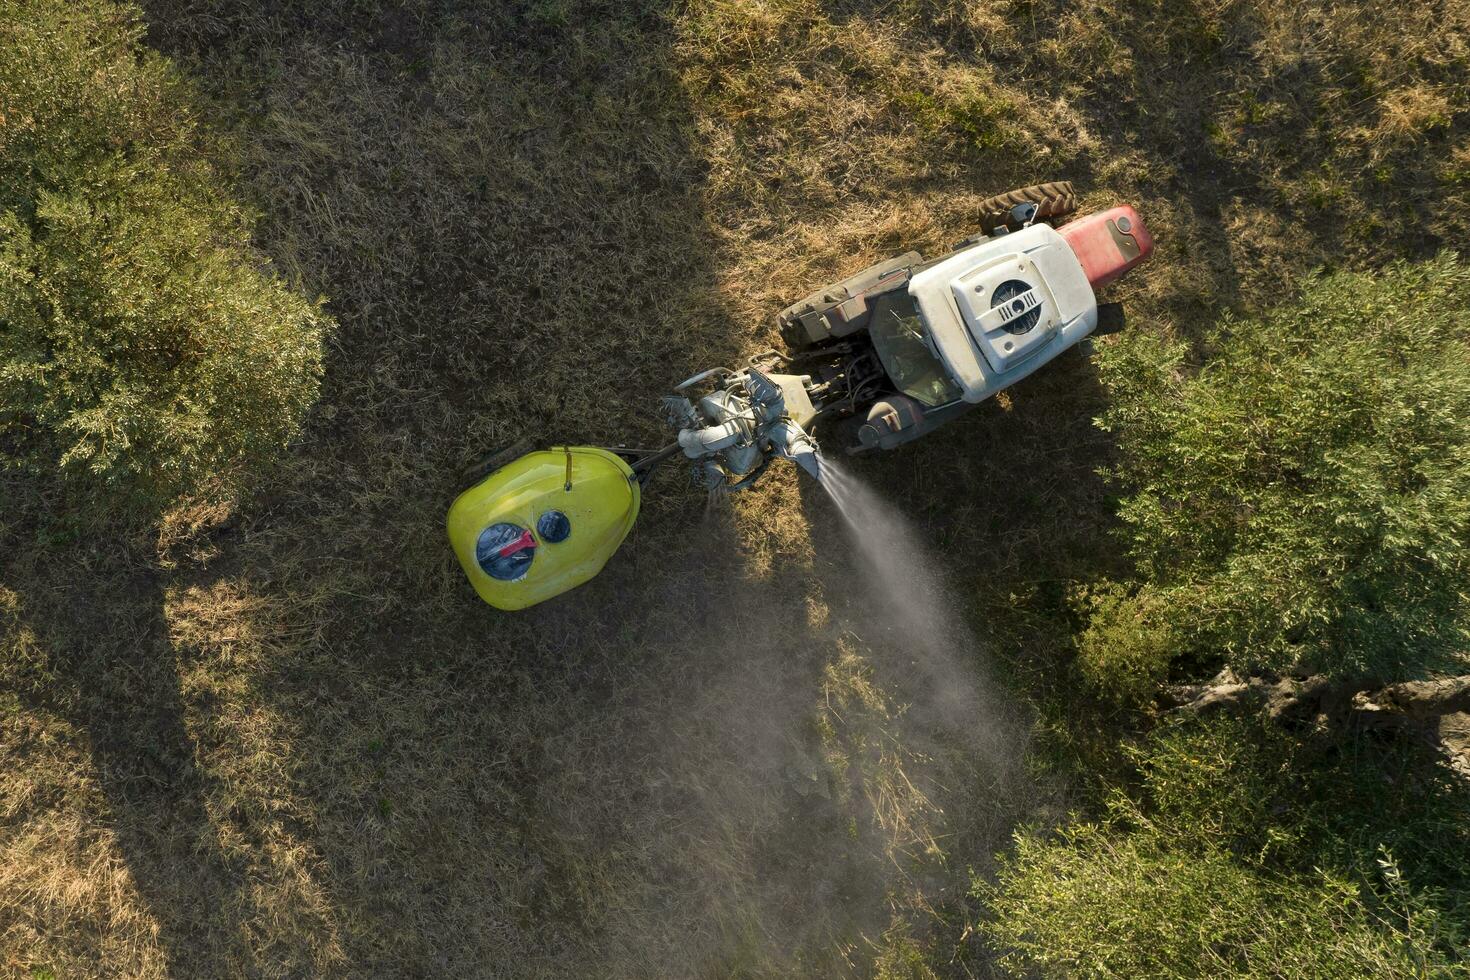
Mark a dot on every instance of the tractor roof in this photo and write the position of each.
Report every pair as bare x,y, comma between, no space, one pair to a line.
1001,309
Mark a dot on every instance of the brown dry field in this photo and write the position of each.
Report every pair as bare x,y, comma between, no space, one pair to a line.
285,738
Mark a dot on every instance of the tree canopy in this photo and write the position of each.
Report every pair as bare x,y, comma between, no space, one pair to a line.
1301,500
1295,502
1247,851
145,347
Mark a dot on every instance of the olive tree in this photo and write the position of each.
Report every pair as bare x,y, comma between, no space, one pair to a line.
145,347
1301,499
1242,849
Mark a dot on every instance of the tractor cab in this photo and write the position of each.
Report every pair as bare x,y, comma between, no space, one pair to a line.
905,346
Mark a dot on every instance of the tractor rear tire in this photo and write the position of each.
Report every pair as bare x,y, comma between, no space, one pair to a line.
1054,200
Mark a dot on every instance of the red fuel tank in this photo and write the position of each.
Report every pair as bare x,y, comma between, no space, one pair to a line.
1108,244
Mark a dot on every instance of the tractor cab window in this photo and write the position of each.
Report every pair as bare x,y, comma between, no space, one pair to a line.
900,337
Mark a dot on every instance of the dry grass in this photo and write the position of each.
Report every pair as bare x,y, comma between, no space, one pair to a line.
288,740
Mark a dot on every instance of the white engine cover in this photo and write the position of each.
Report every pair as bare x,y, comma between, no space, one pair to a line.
989,346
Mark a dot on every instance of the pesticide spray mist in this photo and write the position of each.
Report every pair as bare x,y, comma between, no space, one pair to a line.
817,773
960,740
916,615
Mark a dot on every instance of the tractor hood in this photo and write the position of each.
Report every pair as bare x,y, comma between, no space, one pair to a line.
1002,309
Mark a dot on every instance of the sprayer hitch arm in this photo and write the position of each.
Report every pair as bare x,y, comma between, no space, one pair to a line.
645,461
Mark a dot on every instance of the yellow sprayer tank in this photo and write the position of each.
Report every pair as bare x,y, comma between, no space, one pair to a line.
543,524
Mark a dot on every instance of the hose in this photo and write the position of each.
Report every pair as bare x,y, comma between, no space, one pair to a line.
750,477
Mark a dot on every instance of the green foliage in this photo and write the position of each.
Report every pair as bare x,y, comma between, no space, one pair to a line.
1124,652
1300,500
1303,499
1097,904
1245,851
898,956
1295,802
143,350
974,114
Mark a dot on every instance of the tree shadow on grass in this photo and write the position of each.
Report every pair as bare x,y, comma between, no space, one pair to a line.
960,594
1011,493
100,658
503,205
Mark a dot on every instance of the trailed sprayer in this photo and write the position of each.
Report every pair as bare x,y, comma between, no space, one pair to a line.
872,362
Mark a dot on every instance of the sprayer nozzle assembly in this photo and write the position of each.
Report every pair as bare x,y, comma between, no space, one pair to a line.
732,433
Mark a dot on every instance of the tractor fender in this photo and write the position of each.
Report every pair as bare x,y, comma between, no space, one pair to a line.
896,419
841,309
887,421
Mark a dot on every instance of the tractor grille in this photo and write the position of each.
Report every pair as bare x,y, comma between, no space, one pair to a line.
1025,319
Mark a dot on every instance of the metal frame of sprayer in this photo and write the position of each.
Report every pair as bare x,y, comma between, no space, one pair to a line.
730,424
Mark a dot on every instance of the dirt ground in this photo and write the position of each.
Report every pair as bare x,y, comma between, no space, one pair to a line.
286,739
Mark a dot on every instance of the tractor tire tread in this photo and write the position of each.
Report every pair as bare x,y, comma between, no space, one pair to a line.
1055,200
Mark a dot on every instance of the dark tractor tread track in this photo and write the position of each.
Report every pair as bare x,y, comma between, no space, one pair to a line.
492,461
1055,200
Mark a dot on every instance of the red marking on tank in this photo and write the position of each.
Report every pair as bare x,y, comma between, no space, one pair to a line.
526,540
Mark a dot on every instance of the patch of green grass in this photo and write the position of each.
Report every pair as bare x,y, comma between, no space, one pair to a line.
978,117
